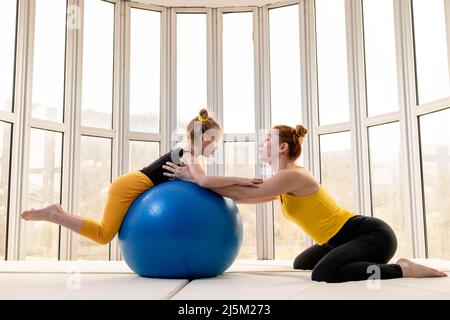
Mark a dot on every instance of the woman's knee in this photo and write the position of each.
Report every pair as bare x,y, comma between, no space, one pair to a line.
308,259
321,274
302,263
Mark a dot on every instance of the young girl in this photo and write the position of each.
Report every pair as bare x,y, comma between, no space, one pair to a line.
202,133
349,246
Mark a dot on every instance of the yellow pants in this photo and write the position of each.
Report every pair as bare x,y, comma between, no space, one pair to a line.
121,194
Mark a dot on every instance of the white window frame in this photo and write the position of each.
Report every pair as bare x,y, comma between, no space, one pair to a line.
407,115
16,120
261,215
163,136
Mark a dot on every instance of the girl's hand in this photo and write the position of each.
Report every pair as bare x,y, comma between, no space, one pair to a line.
254,183
179,172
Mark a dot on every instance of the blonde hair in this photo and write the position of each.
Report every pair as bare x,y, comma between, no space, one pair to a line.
202,123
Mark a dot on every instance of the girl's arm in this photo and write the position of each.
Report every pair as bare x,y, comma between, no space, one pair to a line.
283,182
198,176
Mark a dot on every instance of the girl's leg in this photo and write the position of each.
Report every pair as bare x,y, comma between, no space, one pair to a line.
308,259
121,194
366,255
56,214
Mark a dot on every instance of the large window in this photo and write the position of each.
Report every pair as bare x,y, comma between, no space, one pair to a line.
98,45
386,180
285,101
5,152
290,239
285,93
336,167
239,112
430,43
435,144
41,239
48,63
191,66
144,61
332,61
7,50
142,153
240,161
95,178
380,56
145,65
97,113
238,73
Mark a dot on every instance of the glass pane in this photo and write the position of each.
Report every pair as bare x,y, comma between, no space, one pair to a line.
238,73
381,66
386,181
142,153
240,161
336,167
431,50
435,142
290,240
145,64
5,153
8,10
285,94
44,188
98,58
332,61
191,67
49,55
95,178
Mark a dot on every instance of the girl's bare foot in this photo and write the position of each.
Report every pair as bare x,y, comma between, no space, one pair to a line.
45,214
414,270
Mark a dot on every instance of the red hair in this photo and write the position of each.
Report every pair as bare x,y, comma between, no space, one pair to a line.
293,137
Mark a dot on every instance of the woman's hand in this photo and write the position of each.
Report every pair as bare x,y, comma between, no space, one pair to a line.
254,183
179,172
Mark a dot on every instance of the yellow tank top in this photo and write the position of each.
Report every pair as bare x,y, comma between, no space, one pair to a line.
317,214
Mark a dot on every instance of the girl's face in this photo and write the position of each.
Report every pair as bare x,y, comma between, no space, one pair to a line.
209,142
209,148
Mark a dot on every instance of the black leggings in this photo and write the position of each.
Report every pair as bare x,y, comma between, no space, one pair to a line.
358,251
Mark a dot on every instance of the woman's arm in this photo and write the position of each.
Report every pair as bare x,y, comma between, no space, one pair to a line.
283,182
211,182
193,172
257,200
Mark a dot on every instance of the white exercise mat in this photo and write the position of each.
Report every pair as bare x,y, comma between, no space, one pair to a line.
74,286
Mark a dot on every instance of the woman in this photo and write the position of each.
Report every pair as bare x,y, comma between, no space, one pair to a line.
349,246
202,133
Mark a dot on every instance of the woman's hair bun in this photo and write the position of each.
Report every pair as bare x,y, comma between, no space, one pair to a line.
300,131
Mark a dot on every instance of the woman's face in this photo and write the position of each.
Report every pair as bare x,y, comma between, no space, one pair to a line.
265,152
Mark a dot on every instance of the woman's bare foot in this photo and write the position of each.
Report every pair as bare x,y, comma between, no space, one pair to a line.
414,270
45,214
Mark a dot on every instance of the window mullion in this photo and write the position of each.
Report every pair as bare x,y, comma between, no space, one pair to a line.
410,141
17,148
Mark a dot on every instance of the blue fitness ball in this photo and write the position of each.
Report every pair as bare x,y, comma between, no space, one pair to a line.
180,230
